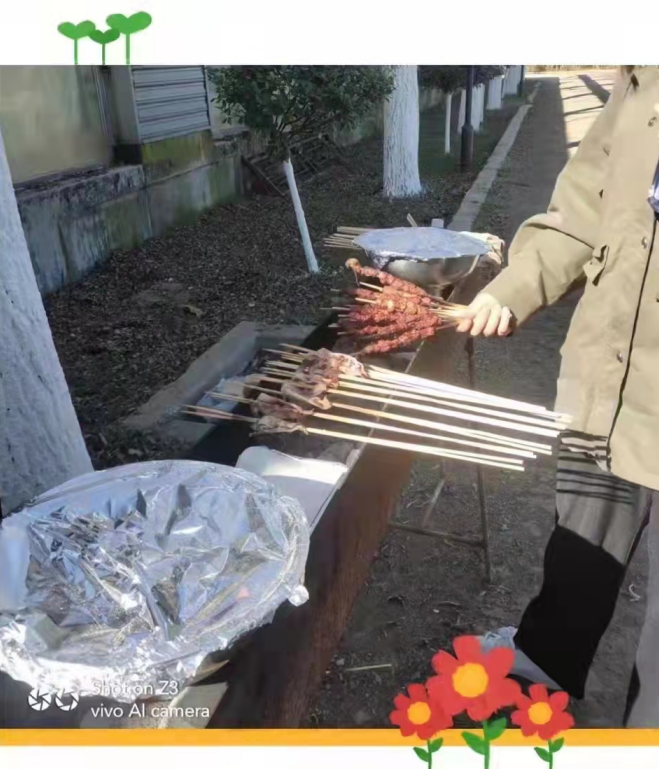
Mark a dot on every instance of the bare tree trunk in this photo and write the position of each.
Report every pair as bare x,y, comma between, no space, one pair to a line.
41,444
447,123
312,264
401,136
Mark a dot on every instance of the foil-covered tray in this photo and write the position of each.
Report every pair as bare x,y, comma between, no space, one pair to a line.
126,579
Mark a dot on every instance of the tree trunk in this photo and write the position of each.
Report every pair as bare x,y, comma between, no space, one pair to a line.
447,123
312,264
41,444
401,136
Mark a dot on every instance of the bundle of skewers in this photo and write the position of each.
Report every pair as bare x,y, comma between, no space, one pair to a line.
297,386
390,314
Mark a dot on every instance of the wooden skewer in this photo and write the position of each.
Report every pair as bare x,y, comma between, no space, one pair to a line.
474,409
451,413
381,373
410,447
471,397
513,451
538,448
391,428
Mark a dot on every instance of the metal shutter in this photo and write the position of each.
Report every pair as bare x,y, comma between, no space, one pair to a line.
170,101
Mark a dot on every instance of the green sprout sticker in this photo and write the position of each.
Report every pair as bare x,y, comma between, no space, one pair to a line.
76,32
118,25
129,25
103,38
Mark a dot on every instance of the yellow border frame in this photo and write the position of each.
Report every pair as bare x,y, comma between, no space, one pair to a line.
298,738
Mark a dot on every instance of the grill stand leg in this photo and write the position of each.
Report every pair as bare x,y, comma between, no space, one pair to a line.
479,473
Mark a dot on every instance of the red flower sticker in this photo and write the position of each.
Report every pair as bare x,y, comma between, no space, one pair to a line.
418,714
542,714
473,681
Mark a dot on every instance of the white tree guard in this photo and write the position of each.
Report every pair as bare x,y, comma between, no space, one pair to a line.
41,444
312,263
463,109
401,135
494,92
448,100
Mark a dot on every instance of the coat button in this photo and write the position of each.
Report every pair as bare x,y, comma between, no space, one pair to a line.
619,357
644,242
652,121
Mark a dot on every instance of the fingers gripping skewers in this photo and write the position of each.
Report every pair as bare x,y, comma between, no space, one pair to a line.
315,386
392,315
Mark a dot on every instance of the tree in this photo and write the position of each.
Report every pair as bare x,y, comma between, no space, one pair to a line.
289,104
401,135
41,444
450,79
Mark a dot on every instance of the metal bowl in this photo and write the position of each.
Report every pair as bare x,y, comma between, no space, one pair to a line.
434,273
427,256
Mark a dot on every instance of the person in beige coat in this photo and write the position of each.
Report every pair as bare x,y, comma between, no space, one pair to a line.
600,228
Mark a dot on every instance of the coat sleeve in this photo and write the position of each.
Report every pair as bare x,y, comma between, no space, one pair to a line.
550,250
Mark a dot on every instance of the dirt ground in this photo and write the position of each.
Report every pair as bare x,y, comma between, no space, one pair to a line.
423,592
137,323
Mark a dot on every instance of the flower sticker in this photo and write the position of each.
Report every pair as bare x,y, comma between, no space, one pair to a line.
417,714
473,681
544,715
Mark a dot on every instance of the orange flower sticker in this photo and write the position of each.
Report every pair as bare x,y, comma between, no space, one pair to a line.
473,681
417,714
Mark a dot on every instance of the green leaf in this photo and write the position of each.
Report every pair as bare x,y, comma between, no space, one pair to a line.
544,754
494,729
103,38
128,25
422,754
476,743
435,745
556,745
76,31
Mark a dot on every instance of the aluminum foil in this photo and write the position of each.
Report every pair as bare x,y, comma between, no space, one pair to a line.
419,244
126,579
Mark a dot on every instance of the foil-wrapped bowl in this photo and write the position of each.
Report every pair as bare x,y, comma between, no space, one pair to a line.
125,580
426,256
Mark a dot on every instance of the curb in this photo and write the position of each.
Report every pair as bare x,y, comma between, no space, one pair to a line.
466,215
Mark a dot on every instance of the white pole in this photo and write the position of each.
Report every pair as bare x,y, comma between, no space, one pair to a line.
41,444
462,109
448,98
312,264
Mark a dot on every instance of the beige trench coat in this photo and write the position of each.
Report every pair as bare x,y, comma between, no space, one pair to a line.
600,224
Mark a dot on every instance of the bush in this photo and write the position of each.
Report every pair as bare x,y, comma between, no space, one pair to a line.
287,104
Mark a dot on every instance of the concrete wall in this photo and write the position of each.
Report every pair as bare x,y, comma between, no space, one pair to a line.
71,225
51,120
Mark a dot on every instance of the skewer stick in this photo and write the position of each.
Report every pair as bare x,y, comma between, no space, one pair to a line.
538,448
411,447
390,428
469,396
513,451
474,409
450,413
441,390
381,373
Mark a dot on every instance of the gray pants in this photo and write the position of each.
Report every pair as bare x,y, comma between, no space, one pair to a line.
600,519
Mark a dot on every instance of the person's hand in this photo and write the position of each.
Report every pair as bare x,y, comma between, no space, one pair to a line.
487,317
